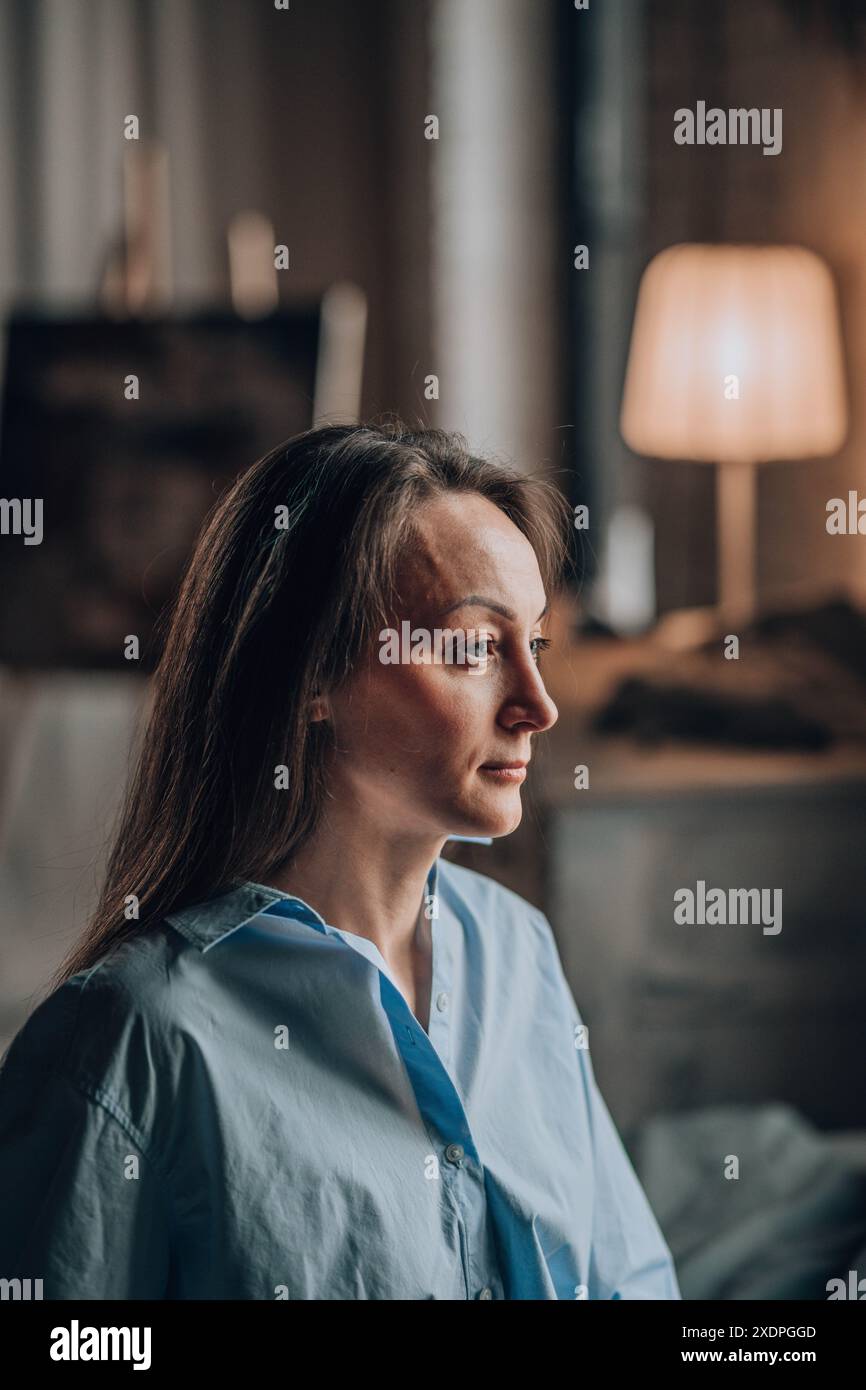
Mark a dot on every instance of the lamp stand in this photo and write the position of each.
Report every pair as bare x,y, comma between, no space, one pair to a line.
735,540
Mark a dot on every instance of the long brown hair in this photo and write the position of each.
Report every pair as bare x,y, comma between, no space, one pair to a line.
275,606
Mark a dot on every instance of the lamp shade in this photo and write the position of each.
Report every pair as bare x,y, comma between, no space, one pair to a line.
736,357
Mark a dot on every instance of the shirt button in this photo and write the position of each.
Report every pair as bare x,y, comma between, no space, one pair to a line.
442,1002
454,1153
486,1293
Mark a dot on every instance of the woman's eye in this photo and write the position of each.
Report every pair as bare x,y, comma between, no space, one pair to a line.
539,645
480,648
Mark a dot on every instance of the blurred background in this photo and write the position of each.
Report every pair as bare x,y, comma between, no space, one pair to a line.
223,222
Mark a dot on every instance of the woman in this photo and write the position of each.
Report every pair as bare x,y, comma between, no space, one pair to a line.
299,1055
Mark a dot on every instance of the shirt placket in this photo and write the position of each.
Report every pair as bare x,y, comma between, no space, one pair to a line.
426,1058
441,1108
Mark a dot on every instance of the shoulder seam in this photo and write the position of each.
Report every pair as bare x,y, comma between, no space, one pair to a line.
99,1096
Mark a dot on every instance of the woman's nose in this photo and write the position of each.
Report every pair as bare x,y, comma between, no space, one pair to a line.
532,702
548,713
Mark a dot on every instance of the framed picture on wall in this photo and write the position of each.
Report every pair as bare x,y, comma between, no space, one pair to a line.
128,431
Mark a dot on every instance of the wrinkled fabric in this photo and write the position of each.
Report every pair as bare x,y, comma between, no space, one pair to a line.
239,1104
782,1223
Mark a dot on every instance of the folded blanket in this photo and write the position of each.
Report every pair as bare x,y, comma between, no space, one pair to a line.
793,1219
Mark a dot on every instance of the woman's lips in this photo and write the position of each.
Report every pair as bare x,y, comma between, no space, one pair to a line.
515,773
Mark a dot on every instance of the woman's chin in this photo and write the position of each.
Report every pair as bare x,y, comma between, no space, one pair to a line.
495,820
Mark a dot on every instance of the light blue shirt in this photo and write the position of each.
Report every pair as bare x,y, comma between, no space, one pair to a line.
239,1103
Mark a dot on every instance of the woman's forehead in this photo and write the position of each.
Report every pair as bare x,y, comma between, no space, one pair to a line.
446,565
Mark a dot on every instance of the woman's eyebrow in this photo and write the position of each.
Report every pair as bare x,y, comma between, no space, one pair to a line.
478,601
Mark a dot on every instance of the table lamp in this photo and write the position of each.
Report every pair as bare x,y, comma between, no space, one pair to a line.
735,359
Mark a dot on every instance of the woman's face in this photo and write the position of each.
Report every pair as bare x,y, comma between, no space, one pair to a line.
414,740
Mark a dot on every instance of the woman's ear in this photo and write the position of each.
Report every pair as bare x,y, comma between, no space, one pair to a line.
318,708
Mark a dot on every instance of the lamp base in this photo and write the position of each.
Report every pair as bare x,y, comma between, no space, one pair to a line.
735,539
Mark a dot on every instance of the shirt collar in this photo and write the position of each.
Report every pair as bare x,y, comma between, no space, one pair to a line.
208,923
